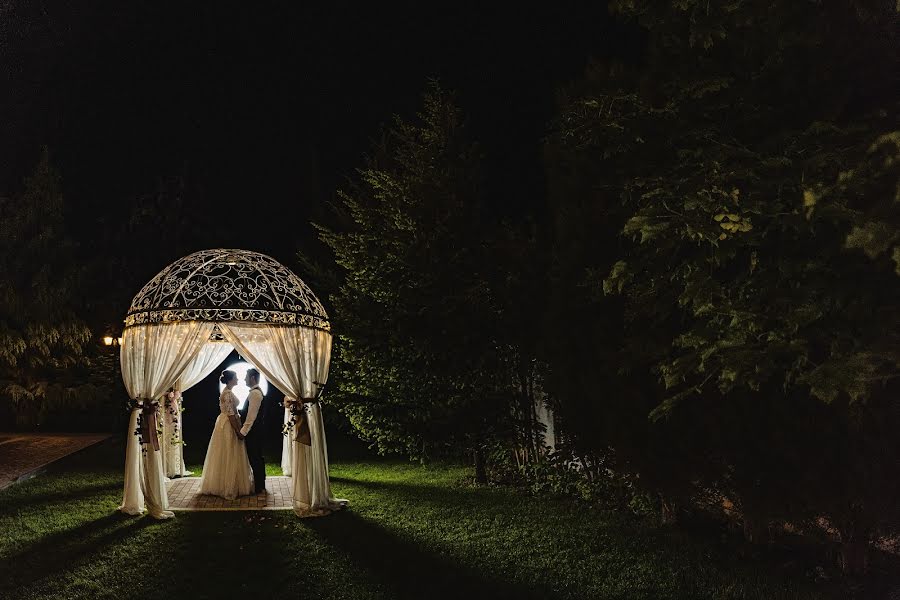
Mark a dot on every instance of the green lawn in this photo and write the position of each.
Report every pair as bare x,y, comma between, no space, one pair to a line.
411,532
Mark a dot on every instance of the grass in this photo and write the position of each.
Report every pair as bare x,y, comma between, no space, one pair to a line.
411,532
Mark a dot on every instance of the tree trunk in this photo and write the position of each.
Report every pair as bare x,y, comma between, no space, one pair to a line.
756,530
537,437
480,469
526,412
668,510
854,557
855,531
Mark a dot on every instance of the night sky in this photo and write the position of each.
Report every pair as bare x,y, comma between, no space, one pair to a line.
267,108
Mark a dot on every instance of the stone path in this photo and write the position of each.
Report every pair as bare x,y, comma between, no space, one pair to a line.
24,455
184,494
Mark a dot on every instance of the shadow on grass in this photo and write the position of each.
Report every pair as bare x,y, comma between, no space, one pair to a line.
255,551
606,542
16,504
406,569
67,550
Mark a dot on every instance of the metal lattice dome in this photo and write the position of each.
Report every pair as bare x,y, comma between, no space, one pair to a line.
227,285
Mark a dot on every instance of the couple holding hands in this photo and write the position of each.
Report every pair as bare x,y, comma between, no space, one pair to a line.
234,464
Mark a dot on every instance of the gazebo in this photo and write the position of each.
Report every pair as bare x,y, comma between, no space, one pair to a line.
185,322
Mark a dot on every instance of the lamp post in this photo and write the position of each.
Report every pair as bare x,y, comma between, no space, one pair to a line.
107,371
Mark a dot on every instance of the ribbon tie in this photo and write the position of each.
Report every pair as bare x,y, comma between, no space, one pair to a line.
304,436
298,408
148,422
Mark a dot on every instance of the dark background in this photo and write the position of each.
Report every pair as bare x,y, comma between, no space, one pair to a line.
264,108
243,121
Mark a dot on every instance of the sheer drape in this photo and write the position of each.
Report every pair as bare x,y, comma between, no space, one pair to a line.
210,356
294,359
286,445
170,443
152,359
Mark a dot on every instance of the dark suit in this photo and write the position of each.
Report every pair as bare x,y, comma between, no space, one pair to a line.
254,439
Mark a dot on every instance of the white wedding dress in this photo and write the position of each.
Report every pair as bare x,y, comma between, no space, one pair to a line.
226,470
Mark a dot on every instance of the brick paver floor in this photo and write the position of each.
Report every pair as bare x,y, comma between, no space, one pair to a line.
184,494
22,455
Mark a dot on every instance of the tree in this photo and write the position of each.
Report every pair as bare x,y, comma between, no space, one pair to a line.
743,193
41,334
418,362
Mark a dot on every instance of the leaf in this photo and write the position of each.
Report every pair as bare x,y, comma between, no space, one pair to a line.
809,198
617,279
873,238
853,374
667,406
651,231
634,224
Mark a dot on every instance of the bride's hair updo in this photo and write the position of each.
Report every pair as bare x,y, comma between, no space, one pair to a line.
227,375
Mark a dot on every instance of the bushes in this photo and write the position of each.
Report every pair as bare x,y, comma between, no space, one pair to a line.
726,240
56,407
87,398
563,473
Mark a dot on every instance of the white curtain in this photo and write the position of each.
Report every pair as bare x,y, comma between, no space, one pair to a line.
294,359
286,445
152,359
211,356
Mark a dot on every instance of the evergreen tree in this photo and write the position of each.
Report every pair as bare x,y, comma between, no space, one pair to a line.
418,363
41,334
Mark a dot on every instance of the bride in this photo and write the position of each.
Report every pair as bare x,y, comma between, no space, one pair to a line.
226,470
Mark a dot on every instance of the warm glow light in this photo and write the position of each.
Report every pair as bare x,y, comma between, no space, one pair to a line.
120,341
241,390
108,341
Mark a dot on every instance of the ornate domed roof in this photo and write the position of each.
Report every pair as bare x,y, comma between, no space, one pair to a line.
227,285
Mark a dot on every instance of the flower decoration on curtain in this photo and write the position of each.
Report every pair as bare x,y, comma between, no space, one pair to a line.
299,411
149,429
173,407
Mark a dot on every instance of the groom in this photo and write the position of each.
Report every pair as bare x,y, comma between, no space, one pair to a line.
253,415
